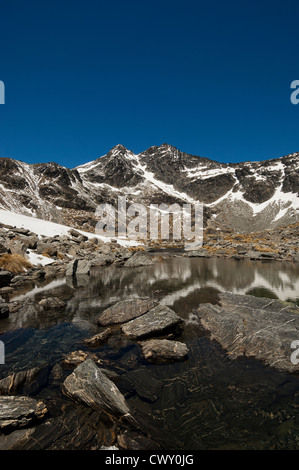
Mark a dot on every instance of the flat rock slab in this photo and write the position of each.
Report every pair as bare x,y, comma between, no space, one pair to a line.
18,412
157,320
89,385
125,311
256,327
163,350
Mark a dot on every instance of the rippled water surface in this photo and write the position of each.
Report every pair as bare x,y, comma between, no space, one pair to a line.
205,402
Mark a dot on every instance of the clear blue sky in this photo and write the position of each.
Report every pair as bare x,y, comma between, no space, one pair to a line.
209,77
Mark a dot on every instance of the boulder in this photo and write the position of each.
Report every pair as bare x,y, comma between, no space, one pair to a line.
125,311
255,327
18,412
89,385
163,350
158,320
78,267
139,259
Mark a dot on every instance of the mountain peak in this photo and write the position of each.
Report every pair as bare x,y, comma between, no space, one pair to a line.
118,148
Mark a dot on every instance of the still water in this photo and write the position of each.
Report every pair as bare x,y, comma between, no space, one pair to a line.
205,402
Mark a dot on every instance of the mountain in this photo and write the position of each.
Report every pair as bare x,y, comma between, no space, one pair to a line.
245,196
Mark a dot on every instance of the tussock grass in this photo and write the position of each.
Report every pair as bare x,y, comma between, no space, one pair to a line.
14,263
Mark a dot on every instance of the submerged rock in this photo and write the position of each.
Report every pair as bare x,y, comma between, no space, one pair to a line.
157,320
76,357
25,382
89,385
163,350
98,338
19,412
256,327
125,310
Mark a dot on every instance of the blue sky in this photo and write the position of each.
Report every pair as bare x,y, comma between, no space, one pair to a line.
211,78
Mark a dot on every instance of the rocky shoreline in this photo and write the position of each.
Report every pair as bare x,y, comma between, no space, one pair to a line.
242,325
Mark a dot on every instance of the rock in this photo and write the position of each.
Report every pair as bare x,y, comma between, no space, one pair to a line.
256,327
101,260
88,385
76,357
125,310
139,259
78,267
5,278
3,249
19,412
77,236
21,231
26,382
134,441
4,309
98,338
201,253
163,350
51,303
143,383
157,320
15,439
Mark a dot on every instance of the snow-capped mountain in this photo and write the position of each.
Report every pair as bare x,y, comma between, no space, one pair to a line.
245,196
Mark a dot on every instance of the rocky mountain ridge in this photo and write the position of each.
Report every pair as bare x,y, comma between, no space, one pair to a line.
245,197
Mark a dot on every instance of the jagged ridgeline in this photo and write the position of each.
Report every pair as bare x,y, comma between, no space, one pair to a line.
246,196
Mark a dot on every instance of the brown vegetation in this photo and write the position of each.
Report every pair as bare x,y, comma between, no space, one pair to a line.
14,263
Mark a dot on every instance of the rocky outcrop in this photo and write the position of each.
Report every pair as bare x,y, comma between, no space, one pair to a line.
19,412
89,385
158,320
163,350
254,327
125,310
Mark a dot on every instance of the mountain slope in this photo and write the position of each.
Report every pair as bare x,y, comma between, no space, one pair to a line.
245,196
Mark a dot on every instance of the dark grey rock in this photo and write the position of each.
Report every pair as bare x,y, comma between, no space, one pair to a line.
18,412
5,278
98,338
163,350
89,385
156,321
125,310
4,309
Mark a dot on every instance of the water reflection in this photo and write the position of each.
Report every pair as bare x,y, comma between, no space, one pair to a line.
207,401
